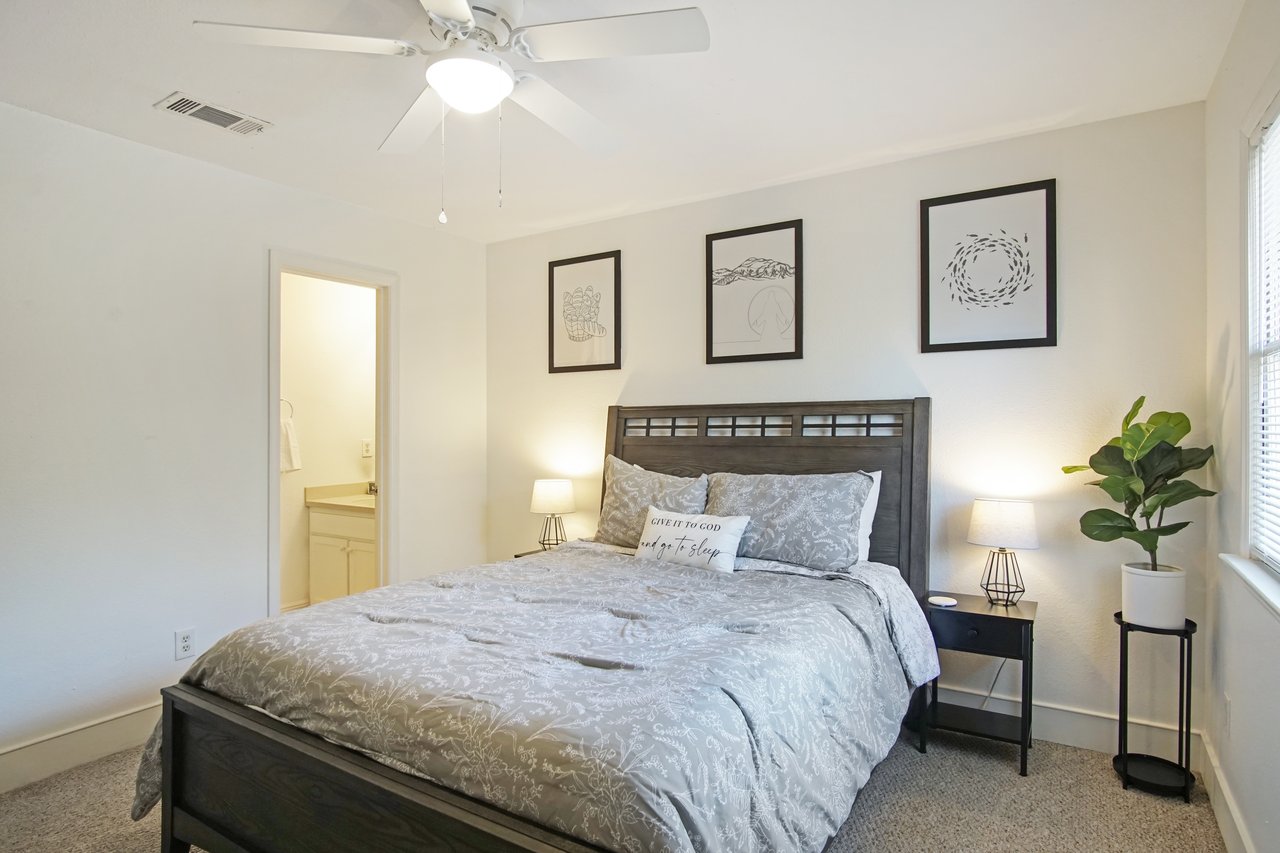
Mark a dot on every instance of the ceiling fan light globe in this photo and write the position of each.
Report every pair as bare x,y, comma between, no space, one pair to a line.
470,80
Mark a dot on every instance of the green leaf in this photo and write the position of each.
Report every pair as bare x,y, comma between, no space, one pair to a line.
1133,413
1147,539
1169,529
1141,438
1121,489
1180,423
1074,469
1105,525
1173,494
1159,465
1191,458
1109,461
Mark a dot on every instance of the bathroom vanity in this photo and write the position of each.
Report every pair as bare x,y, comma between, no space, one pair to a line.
343,540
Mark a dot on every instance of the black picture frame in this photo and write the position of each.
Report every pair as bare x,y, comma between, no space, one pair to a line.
577,340
764,319
1006,238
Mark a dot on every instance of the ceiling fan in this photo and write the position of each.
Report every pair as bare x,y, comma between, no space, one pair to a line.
470,73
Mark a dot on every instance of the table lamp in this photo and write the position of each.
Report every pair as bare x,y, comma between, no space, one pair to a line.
552,498
1002,525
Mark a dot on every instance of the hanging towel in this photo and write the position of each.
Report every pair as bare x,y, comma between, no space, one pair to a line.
290,456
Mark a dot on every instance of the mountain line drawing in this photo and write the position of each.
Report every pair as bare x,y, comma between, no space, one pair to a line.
752,269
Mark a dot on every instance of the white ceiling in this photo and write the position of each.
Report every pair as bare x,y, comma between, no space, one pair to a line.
787,90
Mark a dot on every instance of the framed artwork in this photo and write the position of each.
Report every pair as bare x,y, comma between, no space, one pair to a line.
754,293
988,269
584,313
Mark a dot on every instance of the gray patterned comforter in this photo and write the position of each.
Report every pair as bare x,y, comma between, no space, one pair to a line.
634,704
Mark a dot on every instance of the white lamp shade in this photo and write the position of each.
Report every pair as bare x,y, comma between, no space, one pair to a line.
552,497
469,79
1003,524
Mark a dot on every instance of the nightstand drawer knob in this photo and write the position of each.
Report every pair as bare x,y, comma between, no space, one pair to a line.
973,632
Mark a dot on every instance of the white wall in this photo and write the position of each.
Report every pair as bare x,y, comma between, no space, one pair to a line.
1131,307
328,372
134,435
1242,624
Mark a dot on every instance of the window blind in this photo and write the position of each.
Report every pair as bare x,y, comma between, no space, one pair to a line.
1264,351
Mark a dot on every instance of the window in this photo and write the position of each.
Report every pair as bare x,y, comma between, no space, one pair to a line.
1264,348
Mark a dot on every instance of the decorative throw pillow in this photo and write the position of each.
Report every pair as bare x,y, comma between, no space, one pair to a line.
701,541
868,516
629,491
807,519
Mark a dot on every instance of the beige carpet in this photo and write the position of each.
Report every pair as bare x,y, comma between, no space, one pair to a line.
965,795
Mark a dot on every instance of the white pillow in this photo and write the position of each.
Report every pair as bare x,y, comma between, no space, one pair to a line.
701,541
868,515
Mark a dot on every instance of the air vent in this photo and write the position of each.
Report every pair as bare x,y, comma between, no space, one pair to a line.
218,116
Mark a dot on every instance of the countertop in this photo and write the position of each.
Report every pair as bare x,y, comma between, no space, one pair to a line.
353,497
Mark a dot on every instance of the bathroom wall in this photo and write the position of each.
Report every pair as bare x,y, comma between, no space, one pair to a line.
328,372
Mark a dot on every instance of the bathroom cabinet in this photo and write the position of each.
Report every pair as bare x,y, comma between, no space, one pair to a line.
344,556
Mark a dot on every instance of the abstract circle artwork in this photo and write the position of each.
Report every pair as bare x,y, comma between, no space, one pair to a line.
989,270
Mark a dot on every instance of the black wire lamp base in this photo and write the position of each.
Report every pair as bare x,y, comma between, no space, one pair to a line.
1001,579
552,532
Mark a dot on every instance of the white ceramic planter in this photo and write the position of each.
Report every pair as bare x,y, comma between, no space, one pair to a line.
1155,599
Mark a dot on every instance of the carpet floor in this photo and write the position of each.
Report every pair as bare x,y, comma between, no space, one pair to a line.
964,795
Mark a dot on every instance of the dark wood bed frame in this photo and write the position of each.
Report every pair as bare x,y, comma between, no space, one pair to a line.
238,781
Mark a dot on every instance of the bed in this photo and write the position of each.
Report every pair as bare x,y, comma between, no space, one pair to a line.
236,778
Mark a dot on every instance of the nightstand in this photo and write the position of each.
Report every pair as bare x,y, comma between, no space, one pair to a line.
529,553
976,625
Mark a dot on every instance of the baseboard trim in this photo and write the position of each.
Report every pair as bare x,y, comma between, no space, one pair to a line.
1235,833
40,758
1083,727
296,605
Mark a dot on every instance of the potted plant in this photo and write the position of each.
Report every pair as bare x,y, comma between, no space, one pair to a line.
1141,470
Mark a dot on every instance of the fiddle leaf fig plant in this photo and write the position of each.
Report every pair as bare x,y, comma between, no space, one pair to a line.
1140,470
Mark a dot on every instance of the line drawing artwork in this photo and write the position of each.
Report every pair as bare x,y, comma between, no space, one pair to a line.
983,256
988,269
771,311
755,301
582,315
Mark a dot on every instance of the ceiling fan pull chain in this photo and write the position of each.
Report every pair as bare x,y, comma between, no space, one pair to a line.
499,155
444,219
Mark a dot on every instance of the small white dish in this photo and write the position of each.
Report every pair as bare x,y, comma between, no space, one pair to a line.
943,600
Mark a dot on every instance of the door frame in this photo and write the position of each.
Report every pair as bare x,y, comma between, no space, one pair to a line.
386,285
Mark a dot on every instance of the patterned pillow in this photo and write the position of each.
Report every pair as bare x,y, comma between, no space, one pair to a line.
629,491
701,541
808,519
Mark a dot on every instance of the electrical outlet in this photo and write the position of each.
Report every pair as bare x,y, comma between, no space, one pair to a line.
366,448
184,643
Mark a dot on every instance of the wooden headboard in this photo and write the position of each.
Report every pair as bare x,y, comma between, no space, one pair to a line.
891,436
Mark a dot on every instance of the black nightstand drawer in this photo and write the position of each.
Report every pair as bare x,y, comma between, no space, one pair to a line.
970,632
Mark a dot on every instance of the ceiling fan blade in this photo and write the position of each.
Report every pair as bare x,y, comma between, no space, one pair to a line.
561,114
453,10
275,37
672,31
416,125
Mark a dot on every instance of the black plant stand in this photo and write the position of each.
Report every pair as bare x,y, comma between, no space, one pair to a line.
1148,772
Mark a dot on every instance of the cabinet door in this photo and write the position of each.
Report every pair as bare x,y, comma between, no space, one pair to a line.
362,566
328,568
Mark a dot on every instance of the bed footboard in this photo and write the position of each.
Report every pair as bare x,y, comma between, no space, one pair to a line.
237,781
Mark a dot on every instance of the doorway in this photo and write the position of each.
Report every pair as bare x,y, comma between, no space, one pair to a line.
331,444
